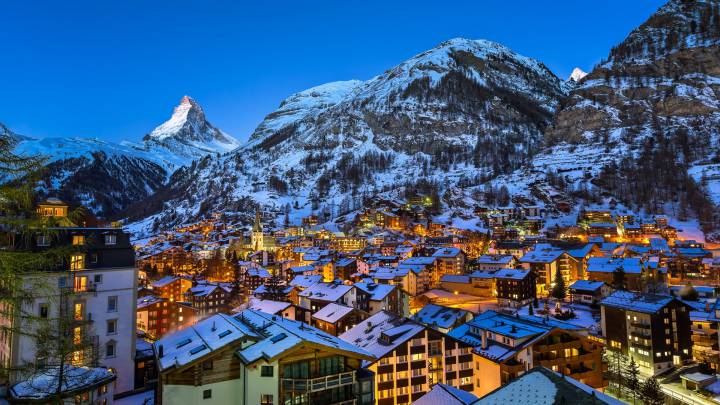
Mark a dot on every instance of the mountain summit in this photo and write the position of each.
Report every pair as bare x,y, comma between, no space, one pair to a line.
188,133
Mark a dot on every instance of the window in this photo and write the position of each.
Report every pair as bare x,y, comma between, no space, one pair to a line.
94,258
266,399
44,310
112,327
79,311
77,262
43,240
110,349
110,239
98,279
112,303
207,365
207,394
78,240
266,371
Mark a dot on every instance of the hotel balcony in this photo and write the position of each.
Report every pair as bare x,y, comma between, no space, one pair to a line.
318,384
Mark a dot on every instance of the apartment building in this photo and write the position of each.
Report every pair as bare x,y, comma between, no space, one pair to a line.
508,346
171,287
410,358
653,329
259,358
157,316
96,286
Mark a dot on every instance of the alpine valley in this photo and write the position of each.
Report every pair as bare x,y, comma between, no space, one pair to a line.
469,121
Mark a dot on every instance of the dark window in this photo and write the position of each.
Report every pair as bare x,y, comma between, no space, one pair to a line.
266,371
110,349
207,394
44,309
207,365
98,278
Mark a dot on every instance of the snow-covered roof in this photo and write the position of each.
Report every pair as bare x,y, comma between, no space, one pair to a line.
305,281
164,281
541,386
629,265
328,292
447,252
282,334
268,306
495,259
436,315
512,274
377,292
382,333
542,254
258,272
44,384
186,345
586,285
647,303
332,312
418,260
443,394
455,278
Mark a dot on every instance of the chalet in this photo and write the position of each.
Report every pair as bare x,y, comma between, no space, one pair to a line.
318,295
477,283
509,346
411,358
171,287
157,316
209,298
345,267
589,292
336,318
258,358
515,287
446,395
652,329
705,345
81,385
254,277
385,297
545,260
603,269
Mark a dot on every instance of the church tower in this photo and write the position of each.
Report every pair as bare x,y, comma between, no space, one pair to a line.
257,238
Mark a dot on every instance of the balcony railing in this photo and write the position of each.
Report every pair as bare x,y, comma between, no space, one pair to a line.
318,384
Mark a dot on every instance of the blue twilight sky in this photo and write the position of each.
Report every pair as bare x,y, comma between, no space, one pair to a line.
114,70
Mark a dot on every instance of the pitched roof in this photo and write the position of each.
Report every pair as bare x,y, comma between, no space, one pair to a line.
332,312
282,334
377,292
440,316
646,303
328,292
443,394
586,285
541,386
382,333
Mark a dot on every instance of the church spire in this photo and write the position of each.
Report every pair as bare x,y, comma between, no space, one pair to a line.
257,227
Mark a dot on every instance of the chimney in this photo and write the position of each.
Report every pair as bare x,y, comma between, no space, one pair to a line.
213,327
161,351
484,341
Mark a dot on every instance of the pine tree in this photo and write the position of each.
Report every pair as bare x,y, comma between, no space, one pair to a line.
632,381
652,393
559,291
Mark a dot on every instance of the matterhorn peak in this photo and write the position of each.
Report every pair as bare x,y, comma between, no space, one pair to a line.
577,75
188,133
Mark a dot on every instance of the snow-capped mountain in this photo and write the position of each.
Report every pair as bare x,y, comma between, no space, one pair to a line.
577,75
460,112
642,126
187,136
107,177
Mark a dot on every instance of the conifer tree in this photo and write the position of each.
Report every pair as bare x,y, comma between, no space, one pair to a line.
559,291
652,393
632,371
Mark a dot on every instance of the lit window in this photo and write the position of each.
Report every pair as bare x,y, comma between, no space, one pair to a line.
77,262
78,240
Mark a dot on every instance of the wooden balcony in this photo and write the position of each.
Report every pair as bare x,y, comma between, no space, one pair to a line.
318,384
573,344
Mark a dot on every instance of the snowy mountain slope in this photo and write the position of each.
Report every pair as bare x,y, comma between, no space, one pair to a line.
642,126
108,177
577,75
460,112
